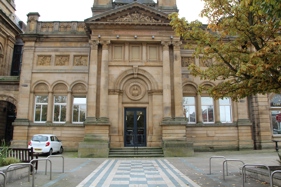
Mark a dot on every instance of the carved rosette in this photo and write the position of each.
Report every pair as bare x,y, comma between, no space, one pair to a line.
135,91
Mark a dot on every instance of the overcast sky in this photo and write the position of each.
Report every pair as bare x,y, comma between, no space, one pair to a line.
71,10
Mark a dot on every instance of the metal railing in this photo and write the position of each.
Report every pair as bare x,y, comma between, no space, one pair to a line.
210,163
51,156
29,172
227,160
44,159
271,176
3,174
254,165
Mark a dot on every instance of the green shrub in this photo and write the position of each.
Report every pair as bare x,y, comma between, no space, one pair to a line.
4,160
10,160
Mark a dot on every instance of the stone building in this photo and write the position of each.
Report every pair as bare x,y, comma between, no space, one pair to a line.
10,53
119,79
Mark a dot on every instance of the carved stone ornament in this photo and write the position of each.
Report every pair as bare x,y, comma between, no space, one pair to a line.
65,27
44,60
41,88
80,60
60,88
79,88
136,17
205,62
62,60
135,91
47,27
186,61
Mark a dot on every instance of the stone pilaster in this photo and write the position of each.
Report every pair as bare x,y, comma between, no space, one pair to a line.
166,82
92,82
104,82
178,95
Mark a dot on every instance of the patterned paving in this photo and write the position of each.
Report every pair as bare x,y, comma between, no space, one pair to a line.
136,173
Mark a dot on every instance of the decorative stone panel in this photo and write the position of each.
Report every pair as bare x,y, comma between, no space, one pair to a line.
62,60
80,60
44,60
135,91
205,62
186,61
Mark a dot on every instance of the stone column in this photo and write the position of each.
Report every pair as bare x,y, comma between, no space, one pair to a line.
166,82
199,110
68,108
217,111
92,82
178,95
50,108
104,82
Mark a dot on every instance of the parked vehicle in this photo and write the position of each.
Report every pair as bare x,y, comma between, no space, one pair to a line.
45,144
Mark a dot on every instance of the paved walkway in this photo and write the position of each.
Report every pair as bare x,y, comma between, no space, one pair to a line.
150,172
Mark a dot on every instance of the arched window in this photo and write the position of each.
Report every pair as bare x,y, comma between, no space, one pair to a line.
41,103
60,101
189,103
79,106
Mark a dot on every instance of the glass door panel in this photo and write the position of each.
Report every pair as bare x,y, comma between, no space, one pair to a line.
135,127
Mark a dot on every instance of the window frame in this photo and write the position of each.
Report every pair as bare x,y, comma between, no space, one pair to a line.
277,109
230,110
207,105
190,105
60,108
79,111
41,108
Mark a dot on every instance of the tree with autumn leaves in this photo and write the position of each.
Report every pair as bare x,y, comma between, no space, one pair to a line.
243,41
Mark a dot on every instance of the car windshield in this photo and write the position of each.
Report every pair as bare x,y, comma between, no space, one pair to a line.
40,138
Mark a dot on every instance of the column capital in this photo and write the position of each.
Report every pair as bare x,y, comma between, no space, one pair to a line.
94,44
105,44
165,44
177,44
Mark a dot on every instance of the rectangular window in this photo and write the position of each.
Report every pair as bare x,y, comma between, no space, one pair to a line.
41,108
189,109
276,121
207,106
225,110
79,109
60,108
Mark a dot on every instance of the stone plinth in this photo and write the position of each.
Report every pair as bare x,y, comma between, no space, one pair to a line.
177,148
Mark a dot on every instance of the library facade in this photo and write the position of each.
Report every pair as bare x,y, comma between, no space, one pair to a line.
120,79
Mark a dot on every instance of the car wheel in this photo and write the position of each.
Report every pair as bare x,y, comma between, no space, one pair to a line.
51,152
61,150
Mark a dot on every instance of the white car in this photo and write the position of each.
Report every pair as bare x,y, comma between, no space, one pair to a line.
45,143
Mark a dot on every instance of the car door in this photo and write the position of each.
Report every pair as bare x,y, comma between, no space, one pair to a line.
54,143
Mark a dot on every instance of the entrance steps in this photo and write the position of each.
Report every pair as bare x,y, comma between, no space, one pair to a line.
140,152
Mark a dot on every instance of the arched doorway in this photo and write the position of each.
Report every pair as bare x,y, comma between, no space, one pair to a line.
7,117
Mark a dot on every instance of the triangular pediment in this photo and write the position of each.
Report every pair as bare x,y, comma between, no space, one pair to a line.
133,13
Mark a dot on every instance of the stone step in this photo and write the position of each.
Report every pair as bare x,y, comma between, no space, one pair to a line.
135,152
